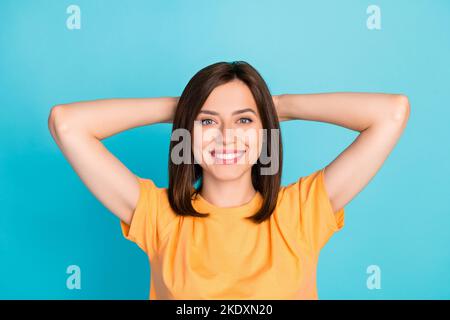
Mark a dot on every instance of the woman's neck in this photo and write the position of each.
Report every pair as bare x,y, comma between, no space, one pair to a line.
228,193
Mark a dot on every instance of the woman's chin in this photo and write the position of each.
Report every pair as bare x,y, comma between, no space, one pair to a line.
228,172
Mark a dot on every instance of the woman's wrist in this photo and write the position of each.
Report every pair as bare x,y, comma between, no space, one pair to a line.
169,113
281,107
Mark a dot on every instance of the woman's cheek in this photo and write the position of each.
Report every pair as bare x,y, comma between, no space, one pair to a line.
197,147
254,145
207,157
253,152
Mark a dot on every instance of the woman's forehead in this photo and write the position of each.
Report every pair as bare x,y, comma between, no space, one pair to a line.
230,97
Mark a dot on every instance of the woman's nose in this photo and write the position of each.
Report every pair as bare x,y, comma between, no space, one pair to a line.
227,134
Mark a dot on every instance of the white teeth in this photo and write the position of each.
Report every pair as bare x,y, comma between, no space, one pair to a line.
228,156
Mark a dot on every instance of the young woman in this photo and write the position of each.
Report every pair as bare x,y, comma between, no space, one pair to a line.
225,228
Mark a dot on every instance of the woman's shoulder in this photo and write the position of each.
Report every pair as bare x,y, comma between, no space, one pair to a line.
159,196
292,192
302,181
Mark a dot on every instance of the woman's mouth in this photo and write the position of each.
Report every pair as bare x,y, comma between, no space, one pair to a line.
228,157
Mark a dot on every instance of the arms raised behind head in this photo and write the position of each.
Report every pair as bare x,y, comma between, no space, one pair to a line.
78,129
380,118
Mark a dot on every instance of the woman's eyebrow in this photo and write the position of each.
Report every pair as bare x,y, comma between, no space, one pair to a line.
234,112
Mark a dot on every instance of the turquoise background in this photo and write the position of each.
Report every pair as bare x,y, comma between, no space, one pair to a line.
49,219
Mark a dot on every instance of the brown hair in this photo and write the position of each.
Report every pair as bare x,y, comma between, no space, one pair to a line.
183,176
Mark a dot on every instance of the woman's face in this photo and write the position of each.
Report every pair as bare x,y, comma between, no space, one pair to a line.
227,132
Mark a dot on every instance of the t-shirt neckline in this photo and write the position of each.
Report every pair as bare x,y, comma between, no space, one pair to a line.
247,209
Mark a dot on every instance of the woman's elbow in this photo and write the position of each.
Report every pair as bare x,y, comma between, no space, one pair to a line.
58,119
55,112
400,109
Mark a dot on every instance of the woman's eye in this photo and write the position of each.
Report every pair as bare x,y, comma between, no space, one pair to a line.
245,120
206,122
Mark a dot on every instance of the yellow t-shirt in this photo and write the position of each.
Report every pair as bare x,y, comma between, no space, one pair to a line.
226,257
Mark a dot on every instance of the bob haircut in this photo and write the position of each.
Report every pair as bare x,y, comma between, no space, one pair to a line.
183,176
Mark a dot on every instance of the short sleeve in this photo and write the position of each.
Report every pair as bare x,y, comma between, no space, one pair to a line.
318,221
142,228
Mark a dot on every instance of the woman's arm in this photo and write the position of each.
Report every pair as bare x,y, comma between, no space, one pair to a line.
78,129
380,118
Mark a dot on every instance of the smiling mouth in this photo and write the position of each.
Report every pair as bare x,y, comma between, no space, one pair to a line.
228,157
